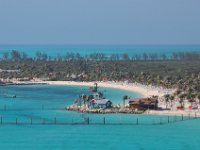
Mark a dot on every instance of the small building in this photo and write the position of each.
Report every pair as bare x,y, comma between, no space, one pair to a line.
143,103
101,103
2,83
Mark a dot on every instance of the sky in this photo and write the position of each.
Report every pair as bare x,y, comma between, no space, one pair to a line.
99,22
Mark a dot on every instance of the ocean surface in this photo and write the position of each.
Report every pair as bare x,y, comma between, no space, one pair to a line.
45,102
61,50
41,104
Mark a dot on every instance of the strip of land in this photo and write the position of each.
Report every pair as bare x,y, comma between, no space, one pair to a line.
144,91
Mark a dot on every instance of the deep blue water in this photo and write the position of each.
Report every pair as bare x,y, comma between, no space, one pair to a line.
30,100
60,50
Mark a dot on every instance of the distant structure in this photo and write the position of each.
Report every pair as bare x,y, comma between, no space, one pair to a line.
2,83
99,101
94,89
94,101
11,70
143,103
102,103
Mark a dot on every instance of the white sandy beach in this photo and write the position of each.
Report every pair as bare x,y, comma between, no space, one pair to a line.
138,88
144,91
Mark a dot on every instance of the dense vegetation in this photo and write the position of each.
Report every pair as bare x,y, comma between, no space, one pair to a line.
180,70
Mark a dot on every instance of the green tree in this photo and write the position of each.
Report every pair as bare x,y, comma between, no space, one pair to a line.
167,98
125,97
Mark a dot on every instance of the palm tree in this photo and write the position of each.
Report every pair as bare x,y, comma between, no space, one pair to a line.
101,95
167,98
90,97
178,92
198,98
188,96
171,99
191,97
125,97
181,101
84,98
80,100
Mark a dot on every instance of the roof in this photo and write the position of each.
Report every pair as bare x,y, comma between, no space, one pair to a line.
101,101
145,101
134,99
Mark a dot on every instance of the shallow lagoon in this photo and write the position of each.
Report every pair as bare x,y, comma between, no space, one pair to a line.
47,102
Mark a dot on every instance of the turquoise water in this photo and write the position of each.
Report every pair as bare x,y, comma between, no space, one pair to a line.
45,101
60,50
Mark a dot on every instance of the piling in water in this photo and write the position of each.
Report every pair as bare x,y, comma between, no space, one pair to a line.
55,121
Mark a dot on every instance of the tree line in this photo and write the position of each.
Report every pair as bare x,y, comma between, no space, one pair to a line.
15,55
180,71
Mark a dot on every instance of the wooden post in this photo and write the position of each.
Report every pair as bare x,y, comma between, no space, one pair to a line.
195,115
137,121
55,121
104,120
1,120
189,115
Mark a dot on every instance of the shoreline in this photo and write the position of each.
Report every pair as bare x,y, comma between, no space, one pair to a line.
144,91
